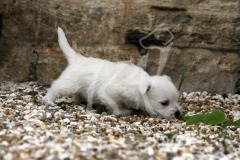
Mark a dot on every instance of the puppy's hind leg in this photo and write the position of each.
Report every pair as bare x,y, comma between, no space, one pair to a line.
61,87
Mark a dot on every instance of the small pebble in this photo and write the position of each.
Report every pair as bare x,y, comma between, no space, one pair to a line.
58,115
48,115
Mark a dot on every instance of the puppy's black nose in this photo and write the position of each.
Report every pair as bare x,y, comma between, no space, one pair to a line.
177,114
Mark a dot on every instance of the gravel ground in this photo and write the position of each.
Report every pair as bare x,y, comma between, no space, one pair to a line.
31,130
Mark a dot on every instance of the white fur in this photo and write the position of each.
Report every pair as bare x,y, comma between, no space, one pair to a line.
118,86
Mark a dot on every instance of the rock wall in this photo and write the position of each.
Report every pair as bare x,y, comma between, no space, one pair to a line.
207,37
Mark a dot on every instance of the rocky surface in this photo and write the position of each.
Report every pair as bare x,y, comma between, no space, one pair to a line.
31,130
206,37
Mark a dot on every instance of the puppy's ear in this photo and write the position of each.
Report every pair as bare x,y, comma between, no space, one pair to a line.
144,87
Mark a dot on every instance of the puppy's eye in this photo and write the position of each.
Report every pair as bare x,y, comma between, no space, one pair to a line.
165,103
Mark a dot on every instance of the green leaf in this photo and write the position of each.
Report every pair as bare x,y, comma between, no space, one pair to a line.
182,78
227,123
185,118
183,115
231,123
236,123
198,118
214,118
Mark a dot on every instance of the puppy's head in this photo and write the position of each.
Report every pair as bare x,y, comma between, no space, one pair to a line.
160,97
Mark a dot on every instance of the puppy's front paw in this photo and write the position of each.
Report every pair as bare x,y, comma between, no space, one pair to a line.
47,101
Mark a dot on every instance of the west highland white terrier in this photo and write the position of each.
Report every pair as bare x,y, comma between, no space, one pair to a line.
119,86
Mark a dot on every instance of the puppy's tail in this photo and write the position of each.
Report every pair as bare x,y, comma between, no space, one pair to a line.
69,53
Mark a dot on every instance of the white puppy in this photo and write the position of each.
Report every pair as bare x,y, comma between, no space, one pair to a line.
118,86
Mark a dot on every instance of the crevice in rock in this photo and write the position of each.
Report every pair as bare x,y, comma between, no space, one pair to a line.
1,25
4,52
127,17
33,65
165,8
238,84
133,36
